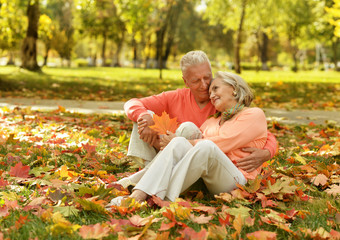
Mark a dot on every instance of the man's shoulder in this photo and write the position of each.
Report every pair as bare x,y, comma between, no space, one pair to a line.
178,92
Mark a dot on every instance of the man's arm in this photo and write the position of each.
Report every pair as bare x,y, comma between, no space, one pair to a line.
258,156
137,111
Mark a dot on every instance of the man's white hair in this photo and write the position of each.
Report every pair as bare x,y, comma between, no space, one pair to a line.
193,58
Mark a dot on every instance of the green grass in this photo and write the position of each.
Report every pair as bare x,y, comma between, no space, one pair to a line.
276,89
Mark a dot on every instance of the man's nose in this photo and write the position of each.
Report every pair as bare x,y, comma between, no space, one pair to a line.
204,83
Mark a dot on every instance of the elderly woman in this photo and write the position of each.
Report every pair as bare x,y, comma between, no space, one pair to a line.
182,162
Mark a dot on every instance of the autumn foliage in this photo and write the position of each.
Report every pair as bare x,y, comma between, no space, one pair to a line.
58,173
164,123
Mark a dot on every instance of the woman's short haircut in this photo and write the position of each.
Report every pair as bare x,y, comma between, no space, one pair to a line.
243,93
193,58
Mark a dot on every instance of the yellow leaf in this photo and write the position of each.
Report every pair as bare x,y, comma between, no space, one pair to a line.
164,123
300,159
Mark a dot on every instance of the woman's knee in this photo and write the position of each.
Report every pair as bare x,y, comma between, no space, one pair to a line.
189,130
205,145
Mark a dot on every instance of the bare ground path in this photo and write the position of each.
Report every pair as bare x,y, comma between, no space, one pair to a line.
280,115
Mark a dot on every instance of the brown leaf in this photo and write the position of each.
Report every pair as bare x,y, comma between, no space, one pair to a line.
319,179
96,231
333,190
202,219
139,221
262,235
164,123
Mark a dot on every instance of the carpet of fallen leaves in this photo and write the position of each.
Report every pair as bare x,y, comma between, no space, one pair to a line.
58,171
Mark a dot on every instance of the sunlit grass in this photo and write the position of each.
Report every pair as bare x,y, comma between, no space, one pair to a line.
279,89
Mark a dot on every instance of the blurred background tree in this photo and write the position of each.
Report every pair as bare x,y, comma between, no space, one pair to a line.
247,34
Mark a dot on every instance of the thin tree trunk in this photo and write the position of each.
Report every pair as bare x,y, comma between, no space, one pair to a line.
238,38
46,55
134,47
104,48
263,52
335,52
29,46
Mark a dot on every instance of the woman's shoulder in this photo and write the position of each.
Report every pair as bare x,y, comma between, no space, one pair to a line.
253,111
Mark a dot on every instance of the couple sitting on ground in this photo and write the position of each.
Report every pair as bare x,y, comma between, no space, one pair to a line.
224,150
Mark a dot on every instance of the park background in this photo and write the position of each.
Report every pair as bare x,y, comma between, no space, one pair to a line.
58,168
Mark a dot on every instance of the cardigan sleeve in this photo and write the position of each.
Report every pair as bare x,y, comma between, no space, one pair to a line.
271,144
248,126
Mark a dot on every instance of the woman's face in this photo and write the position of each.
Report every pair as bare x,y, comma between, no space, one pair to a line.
221,95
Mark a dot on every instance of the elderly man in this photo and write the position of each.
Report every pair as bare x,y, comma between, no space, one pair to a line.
187,104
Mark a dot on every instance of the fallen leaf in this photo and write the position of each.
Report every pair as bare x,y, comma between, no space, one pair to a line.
202,219
262,235
96,231
319,179
138,221
189,233
19,170
333,190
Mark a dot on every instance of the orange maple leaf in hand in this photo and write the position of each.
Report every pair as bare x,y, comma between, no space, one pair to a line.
164,123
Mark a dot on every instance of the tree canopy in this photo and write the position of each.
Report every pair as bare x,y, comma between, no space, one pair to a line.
295,33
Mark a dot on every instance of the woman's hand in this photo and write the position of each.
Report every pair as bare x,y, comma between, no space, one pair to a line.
165,139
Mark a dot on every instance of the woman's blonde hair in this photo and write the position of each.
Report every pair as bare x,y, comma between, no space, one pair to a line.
243,93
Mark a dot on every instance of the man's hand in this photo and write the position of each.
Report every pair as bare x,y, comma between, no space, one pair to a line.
254,160
145,133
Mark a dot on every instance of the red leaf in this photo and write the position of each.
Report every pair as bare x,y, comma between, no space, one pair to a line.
335,234
166,226
159,202
3,182
4,211
225,221
19,170
164,123
21,221
189,233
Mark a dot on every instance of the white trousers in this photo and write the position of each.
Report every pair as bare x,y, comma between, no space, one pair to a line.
180,165
141,149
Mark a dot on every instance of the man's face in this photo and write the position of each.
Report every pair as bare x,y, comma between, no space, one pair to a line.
198,78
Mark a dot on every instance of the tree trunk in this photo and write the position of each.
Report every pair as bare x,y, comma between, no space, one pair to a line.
238,38
46,56
104,48
29,46
335,52
263,52
160,42
134,48
173,21
11,59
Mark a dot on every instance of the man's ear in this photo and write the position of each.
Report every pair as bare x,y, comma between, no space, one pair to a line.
185,81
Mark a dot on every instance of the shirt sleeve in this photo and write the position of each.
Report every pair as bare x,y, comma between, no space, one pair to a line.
247,127
134,108
271,144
